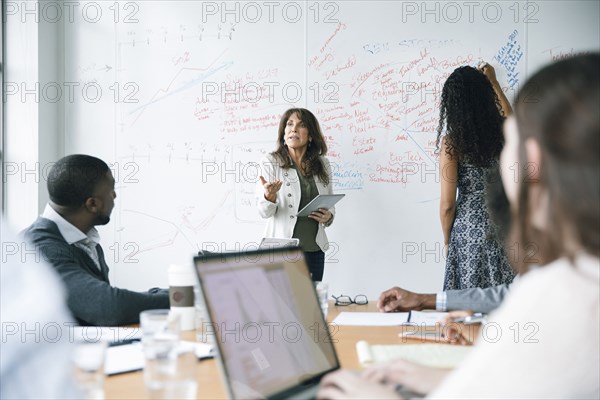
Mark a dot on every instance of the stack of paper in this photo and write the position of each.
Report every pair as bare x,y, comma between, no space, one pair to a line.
125,353
370,319
124,358
431,355
130,357
420,318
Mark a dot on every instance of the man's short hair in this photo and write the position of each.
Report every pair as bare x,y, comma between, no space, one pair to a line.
73,179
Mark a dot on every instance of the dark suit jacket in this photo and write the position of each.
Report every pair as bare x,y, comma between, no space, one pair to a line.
91,298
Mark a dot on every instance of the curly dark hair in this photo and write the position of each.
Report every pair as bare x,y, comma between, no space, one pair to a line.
311,162
470,112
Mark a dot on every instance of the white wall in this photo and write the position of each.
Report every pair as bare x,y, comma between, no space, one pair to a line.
352,60
33,120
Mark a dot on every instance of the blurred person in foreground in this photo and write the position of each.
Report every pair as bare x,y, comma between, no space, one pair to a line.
35,351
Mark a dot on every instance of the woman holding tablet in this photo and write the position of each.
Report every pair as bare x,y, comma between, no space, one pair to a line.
293,175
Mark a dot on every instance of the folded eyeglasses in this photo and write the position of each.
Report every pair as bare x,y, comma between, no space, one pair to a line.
344,300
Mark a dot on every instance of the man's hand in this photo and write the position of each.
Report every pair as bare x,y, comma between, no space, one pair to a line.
398,299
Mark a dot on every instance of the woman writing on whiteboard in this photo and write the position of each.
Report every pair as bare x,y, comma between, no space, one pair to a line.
553,142
294,174
470,116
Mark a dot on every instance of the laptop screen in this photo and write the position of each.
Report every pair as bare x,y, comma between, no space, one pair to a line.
267,322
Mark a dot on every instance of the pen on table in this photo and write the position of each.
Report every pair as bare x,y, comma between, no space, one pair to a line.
477,318
123,342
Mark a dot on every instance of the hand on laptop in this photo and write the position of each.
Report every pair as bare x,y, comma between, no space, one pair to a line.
346,384
411,376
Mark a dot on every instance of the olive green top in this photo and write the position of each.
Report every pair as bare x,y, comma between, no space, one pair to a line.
306,228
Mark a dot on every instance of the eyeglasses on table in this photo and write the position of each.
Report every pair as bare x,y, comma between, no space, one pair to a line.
345,300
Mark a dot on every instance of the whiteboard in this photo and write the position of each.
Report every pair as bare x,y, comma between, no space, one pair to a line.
192,93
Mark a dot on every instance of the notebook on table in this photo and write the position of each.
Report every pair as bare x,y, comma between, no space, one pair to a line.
270,334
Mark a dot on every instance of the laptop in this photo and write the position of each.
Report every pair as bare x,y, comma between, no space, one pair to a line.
271,243
271,337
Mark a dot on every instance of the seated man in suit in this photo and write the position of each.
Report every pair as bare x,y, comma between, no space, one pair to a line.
82,194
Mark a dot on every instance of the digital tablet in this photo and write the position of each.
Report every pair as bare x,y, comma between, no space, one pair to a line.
274,243
321,201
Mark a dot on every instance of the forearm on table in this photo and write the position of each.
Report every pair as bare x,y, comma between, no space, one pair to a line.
427,301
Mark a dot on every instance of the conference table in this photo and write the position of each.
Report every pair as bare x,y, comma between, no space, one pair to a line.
210,385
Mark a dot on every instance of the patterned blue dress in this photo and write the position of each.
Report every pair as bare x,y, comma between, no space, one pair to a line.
476,257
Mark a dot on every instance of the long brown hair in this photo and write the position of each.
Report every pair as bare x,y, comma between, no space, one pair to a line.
311,162
558,108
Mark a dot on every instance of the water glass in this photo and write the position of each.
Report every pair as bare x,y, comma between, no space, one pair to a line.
88,363
205,332
170,367
204,329
323,293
